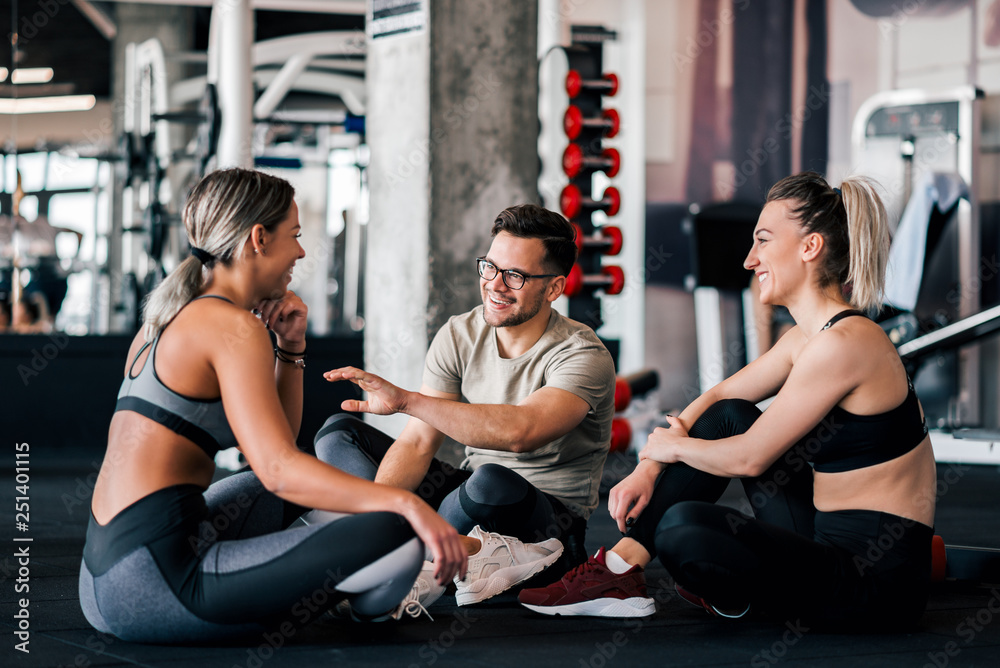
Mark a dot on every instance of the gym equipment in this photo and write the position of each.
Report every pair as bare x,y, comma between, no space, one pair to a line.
632,385
961,563
587,124
642,382
623,394
608,239
621,434
606,85
611,280
574,161
950,336
573,203
575,123
980,565
721,236
901,138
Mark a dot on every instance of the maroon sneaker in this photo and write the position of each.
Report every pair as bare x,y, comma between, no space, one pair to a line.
699,602
592,589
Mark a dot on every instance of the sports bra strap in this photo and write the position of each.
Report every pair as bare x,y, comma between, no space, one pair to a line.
840,316
135,359
225,299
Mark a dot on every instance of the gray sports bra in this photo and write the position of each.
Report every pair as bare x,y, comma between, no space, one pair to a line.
202,421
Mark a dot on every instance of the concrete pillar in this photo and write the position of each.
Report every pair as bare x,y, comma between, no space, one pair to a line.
453,124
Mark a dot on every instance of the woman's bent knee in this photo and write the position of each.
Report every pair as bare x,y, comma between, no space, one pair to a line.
691,525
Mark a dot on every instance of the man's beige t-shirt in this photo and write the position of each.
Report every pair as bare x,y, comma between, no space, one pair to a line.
464,359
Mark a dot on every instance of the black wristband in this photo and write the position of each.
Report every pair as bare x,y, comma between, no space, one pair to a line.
298,359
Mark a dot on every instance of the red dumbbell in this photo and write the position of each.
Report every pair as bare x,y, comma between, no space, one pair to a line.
611,280
607,85
623,394
621,434
939,554
609,238
574,161
573,203
574,122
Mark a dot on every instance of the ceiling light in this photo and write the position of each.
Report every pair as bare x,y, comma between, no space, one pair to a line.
42,105
31,75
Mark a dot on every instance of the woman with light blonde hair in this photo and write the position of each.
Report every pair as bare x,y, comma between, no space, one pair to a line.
838,469
172,558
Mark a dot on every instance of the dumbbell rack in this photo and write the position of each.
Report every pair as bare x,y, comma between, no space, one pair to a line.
586,124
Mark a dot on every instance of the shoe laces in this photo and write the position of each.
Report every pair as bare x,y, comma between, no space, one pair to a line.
415,608
585,567
502,539
510,550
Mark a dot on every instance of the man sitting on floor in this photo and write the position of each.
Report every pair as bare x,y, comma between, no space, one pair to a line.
528,392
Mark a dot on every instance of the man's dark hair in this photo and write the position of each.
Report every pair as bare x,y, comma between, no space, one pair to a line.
533,222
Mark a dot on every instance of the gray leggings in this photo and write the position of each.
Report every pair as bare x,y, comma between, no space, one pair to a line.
492,496
179,566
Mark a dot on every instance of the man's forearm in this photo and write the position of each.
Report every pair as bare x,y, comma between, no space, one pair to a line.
403,467
491,427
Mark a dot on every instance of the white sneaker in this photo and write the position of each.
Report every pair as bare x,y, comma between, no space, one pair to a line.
501,563
424,593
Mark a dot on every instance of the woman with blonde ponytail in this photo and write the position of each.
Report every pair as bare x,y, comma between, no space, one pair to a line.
171,558
838,470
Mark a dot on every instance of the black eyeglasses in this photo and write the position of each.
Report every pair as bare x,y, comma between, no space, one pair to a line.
512,279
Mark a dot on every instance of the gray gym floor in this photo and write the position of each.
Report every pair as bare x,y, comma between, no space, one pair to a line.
959,628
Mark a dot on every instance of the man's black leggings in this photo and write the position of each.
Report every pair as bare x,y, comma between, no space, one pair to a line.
850,568
492,496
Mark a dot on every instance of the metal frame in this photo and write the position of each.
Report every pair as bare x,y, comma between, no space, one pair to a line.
351,7
969,409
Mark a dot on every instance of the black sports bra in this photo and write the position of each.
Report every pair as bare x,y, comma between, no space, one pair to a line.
844,441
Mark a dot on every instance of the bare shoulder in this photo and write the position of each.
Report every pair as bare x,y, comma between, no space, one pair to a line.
789,345
855,346
214,328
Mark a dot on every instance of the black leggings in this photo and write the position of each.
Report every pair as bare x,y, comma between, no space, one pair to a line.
852,568
492,496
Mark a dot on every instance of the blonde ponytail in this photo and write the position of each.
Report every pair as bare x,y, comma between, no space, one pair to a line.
163,303
220,213
868,232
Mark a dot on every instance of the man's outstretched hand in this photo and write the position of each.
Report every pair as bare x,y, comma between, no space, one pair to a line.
384,398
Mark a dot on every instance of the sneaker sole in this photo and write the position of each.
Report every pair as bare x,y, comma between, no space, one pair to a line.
601,607
506,578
